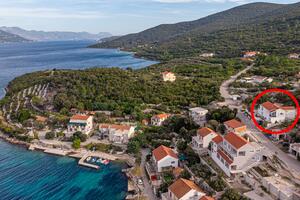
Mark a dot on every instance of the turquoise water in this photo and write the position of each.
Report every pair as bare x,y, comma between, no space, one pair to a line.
20,58
30,175
38,176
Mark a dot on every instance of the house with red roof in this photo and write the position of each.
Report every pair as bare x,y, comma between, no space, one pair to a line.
82,123
250,54
157,120
203,138
235,126
183,189
276,113
234,154
164,158
117,133
169,76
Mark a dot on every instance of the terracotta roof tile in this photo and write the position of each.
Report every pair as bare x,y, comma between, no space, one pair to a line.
115,126
205,131
235,140
270,106
225,157
163,151
217,139
80,117
182,186
162,116
234,123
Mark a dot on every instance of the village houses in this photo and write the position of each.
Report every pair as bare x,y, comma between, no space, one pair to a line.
183,189
276,113
157,120
169,76
164,158
82,123
235,126
117,133
198,115
251,54
203,138
234,154
293,56
207,55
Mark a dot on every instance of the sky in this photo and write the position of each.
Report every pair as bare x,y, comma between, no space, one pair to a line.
118,17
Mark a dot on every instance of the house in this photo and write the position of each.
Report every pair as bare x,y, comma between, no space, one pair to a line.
251,54
198,115
293,56
203,138
157,120
164,158
41,119
234,154
235,126
280,188
207,55
183,189
207,198
276,113
295,150
82,123
117,133
169,76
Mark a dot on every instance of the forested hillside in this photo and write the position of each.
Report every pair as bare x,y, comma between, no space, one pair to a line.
272,28
126,91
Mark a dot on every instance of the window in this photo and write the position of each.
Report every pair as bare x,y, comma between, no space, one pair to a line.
233,167
242,153
173,162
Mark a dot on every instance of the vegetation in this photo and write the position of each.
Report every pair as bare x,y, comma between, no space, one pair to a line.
231,194
270,28
50,135
79,135
76,143
126,91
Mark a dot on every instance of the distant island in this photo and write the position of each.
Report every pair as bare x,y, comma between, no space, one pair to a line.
6,37
33,35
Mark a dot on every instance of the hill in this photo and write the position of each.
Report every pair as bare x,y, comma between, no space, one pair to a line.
55,35
256,26
8,37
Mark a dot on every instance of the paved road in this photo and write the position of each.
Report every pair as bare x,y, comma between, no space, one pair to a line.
290,162
147,188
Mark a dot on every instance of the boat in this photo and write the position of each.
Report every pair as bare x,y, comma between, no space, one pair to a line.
105,162
88,158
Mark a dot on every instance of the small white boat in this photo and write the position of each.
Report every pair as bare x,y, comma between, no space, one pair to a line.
88,158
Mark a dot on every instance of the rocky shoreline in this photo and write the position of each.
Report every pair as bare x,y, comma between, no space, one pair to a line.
14,141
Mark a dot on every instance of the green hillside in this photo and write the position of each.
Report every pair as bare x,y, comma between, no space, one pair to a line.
257,26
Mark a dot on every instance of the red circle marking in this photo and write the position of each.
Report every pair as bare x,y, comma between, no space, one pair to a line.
289,128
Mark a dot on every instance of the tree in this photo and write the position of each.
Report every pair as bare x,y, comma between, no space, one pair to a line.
50,135
79,135
133,146
23,115
76,143
231,194
185,174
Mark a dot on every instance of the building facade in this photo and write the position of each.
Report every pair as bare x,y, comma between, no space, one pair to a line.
164,158
198,115
169,76
203,138
82,123
117,133
157,120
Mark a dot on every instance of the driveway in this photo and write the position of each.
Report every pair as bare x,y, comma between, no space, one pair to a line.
148,191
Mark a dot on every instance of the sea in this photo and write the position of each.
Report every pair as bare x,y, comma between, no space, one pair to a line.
30,175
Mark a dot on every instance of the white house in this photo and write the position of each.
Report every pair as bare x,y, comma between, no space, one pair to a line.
251,54
276,113
294,56
157,120
164,158
183,189
117,133
203,138
235,126
295,149
169,76
198,115
207,55
234,154
82,123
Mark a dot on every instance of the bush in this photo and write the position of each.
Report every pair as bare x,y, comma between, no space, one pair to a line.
76,143
79,135
50,135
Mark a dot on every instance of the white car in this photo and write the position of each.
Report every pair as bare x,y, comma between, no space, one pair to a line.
140,181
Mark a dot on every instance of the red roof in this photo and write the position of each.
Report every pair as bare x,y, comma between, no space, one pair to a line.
288,107
163,151
225,157
269,106
217,139
234,123
80,117
235,140
115,126
162,116
204,131
182,186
